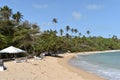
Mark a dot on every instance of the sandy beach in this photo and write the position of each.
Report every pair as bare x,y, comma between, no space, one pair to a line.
50,68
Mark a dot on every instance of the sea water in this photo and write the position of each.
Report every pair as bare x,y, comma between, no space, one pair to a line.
106,65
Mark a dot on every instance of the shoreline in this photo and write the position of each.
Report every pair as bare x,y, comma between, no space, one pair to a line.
80,72
86,75
94,52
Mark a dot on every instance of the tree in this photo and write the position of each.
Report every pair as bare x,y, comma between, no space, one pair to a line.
25,36
75,30
5,13
67,35
88,32
3,41
17,17
67,28
7,29
80,34
55,21
48,41
61,32
72,30
114,37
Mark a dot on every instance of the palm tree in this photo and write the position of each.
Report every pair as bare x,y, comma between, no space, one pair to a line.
67,28
80,34
55,22
17,17
67,35
75,30
88,32
5,12
61,32
114,37
72,30
35,28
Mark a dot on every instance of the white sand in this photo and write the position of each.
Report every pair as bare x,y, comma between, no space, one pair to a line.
47,69
50,68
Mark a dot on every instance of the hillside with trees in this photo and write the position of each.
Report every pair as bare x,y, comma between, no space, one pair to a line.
28,36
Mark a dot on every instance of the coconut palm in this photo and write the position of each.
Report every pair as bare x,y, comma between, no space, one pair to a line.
67,35
61,32
72,30
88,32
75,30
17,17
5,13
67,28
55,22
80,34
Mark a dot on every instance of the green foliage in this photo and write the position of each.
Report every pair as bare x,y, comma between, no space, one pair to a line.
2,41
27,36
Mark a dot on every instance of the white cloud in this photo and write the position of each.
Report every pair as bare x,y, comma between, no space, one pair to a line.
76,15
94,7
40,6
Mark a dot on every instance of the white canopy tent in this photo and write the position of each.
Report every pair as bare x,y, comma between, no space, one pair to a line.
11,50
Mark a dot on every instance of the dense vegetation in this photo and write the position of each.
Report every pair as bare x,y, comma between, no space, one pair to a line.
25,35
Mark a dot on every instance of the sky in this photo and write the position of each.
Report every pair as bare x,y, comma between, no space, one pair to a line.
100,17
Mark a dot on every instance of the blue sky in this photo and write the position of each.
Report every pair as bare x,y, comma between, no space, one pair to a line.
101,17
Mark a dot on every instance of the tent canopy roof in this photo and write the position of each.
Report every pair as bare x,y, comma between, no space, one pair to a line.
12,49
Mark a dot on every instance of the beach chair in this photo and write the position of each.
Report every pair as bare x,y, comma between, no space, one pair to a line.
2,67
42,55
18,60
24,59
37,58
